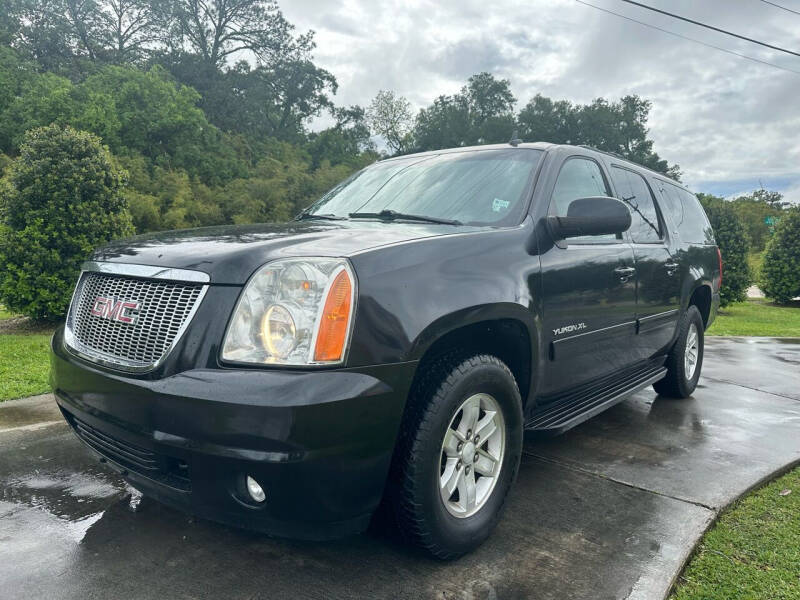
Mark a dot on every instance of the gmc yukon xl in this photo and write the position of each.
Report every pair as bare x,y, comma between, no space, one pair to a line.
390,345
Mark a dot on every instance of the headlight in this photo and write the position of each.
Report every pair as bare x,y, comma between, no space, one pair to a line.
294,311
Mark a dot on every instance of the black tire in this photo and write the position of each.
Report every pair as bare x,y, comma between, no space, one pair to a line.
414,491
676,384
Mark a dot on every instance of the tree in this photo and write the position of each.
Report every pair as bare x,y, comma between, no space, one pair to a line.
618,127
39,29
733,245
773,199
63,199
780,273
546,120
9,22
127,27
68,36
344,143
274,99
758,212
481,113
38,100
161,120
390,116
217,29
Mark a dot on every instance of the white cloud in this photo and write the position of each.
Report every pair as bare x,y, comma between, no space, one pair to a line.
721,118
792,193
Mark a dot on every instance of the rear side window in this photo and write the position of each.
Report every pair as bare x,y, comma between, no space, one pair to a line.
687,213
671,203
633,190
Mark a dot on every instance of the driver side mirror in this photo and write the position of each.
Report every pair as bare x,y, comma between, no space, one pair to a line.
598,215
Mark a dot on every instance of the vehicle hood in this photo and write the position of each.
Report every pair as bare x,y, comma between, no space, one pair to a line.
230,254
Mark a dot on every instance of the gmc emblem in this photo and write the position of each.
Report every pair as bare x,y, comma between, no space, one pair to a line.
114,310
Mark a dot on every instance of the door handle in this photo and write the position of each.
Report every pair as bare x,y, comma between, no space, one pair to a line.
671,267
624,273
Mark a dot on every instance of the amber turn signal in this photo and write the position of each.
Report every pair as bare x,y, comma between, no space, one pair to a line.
335,320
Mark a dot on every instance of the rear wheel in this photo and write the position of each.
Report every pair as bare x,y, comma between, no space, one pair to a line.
457,455
685,361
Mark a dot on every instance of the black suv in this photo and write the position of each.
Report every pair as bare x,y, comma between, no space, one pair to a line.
389,346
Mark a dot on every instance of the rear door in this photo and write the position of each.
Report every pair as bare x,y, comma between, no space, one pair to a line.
588,289
657,268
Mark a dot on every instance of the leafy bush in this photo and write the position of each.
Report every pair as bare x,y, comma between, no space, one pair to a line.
62,198
734,246
780,273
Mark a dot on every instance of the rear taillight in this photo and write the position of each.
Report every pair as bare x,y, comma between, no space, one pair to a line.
719,258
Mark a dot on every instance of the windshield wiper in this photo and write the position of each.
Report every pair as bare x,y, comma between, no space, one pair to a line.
391,215
326,216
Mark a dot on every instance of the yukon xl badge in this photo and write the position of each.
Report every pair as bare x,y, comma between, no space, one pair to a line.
569,328
114,310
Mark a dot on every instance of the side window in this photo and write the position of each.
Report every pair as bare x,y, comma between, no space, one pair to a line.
634,191
579,178
695,224
687,213
671,203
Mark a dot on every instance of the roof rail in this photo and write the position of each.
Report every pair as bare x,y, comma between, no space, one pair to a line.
641,166
606,152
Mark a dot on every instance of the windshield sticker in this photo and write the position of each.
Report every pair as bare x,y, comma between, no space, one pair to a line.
498,204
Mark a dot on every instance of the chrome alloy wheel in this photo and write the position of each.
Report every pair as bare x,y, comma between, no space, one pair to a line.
691,352
472,455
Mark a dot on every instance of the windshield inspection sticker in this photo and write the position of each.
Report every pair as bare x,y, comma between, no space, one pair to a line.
498,205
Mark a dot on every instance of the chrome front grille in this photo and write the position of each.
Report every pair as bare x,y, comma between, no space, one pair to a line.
156,313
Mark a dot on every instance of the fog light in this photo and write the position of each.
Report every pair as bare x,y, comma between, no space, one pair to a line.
255,490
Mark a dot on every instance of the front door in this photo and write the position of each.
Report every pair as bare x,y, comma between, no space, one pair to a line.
588,290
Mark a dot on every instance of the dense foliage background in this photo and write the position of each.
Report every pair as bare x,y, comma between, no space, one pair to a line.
207,106
205,109
780,278
63,198
734,245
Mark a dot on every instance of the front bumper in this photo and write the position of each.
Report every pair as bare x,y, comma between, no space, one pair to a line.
318,442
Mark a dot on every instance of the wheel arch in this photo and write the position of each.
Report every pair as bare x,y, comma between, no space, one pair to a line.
701,297
503,330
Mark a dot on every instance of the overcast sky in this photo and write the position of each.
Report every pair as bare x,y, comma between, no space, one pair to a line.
728,122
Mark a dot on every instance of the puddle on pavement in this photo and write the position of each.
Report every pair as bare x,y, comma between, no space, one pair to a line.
69,502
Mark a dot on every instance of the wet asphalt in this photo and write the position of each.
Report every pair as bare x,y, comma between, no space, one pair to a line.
611,509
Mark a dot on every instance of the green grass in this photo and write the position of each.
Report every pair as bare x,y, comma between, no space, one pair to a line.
753,552
24,365
755,260
758,317
24,360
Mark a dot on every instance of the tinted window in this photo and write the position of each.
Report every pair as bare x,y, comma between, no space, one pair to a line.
483,187
634,191
696,227
687,214
579,178
671,203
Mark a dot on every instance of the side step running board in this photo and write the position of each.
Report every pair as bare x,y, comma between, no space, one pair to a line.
561,415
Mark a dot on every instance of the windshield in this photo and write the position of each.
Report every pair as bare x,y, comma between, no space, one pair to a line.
483,187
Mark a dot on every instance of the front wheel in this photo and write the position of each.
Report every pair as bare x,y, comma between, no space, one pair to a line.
457,455
685,360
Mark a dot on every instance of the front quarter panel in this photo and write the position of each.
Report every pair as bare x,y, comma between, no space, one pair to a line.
411,294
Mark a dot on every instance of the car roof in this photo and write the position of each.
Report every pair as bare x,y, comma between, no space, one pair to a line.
544,146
